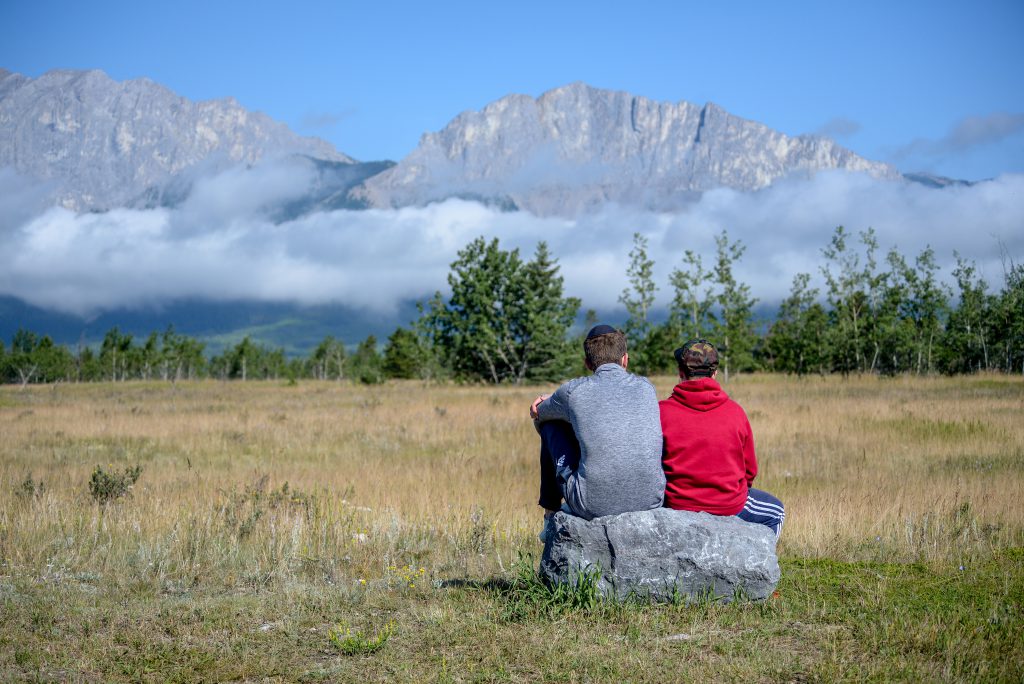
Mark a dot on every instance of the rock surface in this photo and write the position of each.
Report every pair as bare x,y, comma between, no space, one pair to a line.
104,143
663,554
577,147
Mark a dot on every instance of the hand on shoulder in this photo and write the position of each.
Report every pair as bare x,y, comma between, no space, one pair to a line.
536,403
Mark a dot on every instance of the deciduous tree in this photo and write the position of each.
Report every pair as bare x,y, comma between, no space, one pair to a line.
733,325
638,299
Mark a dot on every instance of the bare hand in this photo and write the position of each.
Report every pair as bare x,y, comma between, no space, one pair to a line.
535,404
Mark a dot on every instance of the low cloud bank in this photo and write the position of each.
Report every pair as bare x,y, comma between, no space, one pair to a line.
220,245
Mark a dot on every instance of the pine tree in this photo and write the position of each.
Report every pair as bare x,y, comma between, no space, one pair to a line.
403,355
366,363
505,321
547,316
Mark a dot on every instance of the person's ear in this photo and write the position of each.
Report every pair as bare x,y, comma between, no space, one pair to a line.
624,361
587,364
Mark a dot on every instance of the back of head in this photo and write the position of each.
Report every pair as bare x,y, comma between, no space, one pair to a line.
604,344
698,358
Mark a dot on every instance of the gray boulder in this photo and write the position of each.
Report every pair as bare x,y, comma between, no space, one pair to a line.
663,554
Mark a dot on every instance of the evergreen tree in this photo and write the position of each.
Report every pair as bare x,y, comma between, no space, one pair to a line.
403,355
546,318
431,331
366,363
505,321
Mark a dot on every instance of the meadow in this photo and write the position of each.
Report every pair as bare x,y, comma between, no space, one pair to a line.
325,531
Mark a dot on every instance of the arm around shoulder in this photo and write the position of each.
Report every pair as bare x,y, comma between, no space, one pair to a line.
556,406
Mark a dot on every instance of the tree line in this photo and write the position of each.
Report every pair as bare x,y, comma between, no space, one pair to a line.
890,317
172,357
508,320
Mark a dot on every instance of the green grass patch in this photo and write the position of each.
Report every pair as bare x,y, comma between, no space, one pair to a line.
981,463
831,621
919,428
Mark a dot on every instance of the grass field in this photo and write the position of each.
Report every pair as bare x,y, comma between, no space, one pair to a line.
332,532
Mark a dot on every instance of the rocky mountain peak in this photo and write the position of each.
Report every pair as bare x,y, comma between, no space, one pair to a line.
104,143
577,147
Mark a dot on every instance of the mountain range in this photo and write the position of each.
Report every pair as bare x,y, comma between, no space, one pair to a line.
576,148
101,144
92,144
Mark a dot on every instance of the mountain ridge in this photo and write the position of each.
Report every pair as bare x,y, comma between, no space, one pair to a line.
104,143
616,146
101,144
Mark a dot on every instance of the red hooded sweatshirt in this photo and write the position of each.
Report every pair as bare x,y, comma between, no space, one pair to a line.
709,449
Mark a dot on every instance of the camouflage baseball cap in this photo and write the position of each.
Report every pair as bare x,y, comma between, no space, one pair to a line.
698,358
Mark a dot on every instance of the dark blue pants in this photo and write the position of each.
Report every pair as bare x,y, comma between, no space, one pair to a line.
764,509
559,459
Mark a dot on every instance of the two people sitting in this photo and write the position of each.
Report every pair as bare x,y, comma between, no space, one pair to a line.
608,445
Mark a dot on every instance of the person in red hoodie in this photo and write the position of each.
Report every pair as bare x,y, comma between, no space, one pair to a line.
708,454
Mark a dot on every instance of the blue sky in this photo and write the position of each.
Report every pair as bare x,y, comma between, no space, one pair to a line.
933,86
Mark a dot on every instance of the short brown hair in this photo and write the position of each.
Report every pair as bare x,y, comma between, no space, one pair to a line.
607,348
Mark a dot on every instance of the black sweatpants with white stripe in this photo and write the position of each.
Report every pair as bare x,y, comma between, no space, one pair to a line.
764,509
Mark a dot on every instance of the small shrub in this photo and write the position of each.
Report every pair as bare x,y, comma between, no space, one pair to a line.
29,488
479,530
243,510
106,487
355,642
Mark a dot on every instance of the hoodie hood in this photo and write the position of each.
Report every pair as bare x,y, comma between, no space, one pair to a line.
700,394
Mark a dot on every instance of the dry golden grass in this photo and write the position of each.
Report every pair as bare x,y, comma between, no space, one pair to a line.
212,569
895,468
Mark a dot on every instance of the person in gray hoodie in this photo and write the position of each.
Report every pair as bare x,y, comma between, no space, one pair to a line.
600,436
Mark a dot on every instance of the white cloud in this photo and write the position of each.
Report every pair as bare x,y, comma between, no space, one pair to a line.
220,245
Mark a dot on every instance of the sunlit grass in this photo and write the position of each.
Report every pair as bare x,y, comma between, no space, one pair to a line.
328,504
